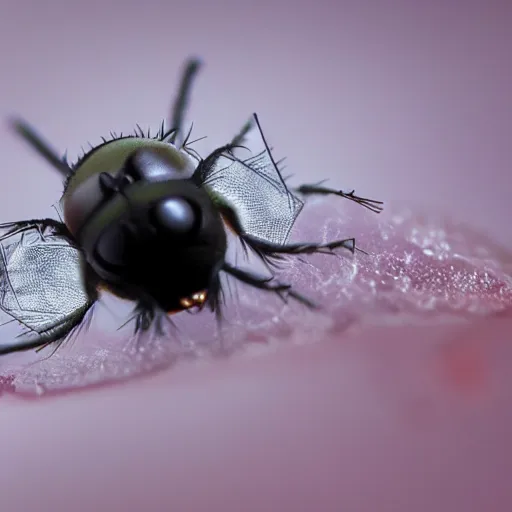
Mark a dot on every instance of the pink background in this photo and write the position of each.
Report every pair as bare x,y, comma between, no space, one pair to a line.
404,100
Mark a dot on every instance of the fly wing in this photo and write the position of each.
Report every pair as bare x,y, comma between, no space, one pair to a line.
42,283
255,189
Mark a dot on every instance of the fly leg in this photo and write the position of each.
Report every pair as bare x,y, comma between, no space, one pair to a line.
370,204
270,252
64,331
41,225
41,146
269,248
181,101
239,138
282,290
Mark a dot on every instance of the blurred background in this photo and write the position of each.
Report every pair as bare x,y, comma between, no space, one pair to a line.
400,100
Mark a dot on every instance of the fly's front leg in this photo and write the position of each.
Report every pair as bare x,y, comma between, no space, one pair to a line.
282,290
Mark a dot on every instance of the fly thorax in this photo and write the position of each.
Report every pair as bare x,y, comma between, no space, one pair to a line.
112,162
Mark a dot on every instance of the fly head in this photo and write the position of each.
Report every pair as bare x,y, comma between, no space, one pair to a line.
151,234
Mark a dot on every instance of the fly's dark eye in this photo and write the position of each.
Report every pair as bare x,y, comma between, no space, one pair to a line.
146,164
113,246
175,215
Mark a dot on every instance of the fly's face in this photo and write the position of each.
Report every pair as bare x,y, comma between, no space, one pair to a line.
145,227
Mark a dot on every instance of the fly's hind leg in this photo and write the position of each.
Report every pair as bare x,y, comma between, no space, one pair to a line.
271,252
370,204
41,146
240,137
270,249
182,98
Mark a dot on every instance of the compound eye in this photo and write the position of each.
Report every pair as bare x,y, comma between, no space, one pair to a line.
114,246
146,164
175,215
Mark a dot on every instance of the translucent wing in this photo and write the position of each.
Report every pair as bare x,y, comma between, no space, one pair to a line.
255,189
42,283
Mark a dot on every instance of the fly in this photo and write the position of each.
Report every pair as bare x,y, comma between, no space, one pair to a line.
145,217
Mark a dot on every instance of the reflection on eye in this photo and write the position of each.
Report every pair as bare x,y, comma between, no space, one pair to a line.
145,218
176,216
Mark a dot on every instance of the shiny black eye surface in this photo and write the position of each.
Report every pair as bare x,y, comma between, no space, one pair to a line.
114,246
176,216
132,241
147,164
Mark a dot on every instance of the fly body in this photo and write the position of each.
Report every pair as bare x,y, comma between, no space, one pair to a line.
145,217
